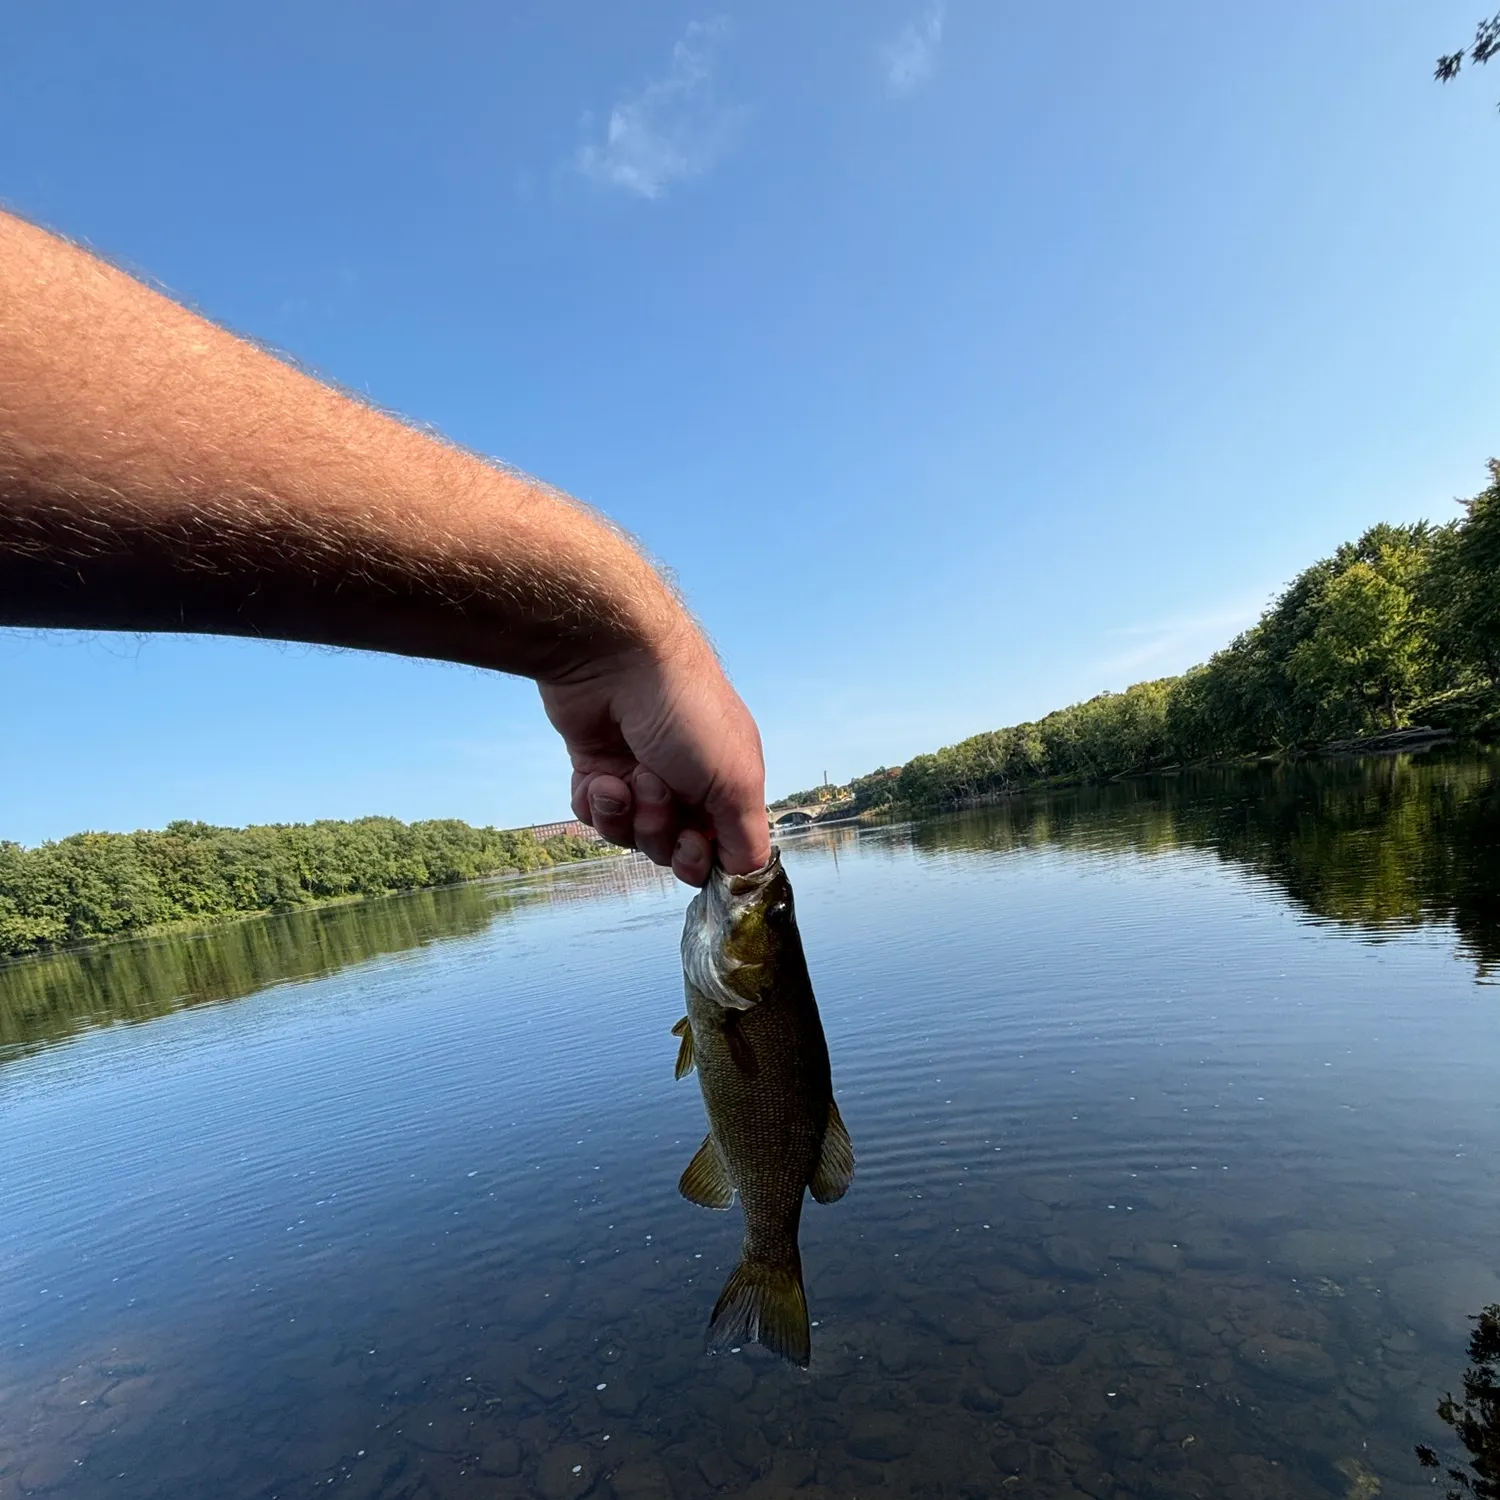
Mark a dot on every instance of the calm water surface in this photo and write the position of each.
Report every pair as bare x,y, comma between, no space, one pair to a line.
1176,1114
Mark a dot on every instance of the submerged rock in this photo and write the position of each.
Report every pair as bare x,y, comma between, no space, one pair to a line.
501,1458
1333,1252
1070,1256
642,1479
1161,1256
566,1473
1297,1362
880,1436
1004,1366
1444,1296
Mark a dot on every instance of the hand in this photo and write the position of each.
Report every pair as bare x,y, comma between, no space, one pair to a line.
666,758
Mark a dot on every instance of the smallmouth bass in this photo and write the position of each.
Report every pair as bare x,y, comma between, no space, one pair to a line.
753,1033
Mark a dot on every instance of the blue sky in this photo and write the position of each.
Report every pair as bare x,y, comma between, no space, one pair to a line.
961,360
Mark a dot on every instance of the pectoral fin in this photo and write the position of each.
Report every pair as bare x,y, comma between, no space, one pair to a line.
685,1051
835,1170
741,1053
705,1180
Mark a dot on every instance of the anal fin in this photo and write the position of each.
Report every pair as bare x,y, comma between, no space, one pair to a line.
835,1169
705,1181
685,1052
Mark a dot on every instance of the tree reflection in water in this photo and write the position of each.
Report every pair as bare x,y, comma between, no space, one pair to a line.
1476,1419
1379,844
47,998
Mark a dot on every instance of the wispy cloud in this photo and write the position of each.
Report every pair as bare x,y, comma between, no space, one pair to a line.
1173,645
669,132
910,57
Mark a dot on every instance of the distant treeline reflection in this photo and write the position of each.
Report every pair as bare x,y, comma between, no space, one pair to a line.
1378,843
50,996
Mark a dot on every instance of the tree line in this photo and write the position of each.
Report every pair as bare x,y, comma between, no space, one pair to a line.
96,885
1399,628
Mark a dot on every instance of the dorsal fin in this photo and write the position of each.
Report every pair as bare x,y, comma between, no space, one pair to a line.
835,1169
705,1180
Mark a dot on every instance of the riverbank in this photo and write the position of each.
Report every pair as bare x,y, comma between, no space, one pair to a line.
1414,740
1394,638
93,887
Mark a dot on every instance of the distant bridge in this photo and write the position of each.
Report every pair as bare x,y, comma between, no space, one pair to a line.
810,812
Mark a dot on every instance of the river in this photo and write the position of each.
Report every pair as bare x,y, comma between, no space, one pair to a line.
1176,1118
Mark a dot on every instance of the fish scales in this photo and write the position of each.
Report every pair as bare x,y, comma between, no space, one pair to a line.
753,1034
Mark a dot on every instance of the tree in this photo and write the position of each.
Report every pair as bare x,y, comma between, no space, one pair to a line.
1485,45
1466,585
1366,650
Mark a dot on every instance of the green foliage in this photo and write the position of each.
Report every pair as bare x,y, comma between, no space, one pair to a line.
875,790
1399,627
1463,586
1486,44
1363,657
94,885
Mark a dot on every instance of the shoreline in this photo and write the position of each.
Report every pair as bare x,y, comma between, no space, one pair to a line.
1414,740
198,925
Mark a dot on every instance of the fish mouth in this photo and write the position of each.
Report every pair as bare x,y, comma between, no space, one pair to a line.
711,921
727,887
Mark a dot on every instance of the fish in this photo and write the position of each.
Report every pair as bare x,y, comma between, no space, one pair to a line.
753,1034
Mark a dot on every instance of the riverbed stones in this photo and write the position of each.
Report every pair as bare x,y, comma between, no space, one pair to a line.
438,1429
720,1472
47,1470
735,1374
621,1396
1071,1257
980,1399
1056,1192
1160,1256
1207,1246
641,1479
880,1437
1053,1340
531,1303
1334,1253
544,1388
1445,1296
1040,1404
567,1472
1296,1362
501,1457
1003,1365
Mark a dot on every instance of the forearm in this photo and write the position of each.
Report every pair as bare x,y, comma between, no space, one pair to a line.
157,473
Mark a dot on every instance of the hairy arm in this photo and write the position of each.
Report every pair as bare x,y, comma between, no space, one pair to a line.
157,473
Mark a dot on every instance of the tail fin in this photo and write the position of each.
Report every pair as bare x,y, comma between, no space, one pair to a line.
763,1304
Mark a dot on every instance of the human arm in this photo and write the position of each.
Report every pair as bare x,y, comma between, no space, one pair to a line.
157,473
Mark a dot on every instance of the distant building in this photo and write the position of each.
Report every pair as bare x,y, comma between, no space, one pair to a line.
572,829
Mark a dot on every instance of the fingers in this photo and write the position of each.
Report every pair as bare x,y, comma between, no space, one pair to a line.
640,813
667,759
655,827
692,857
609,807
